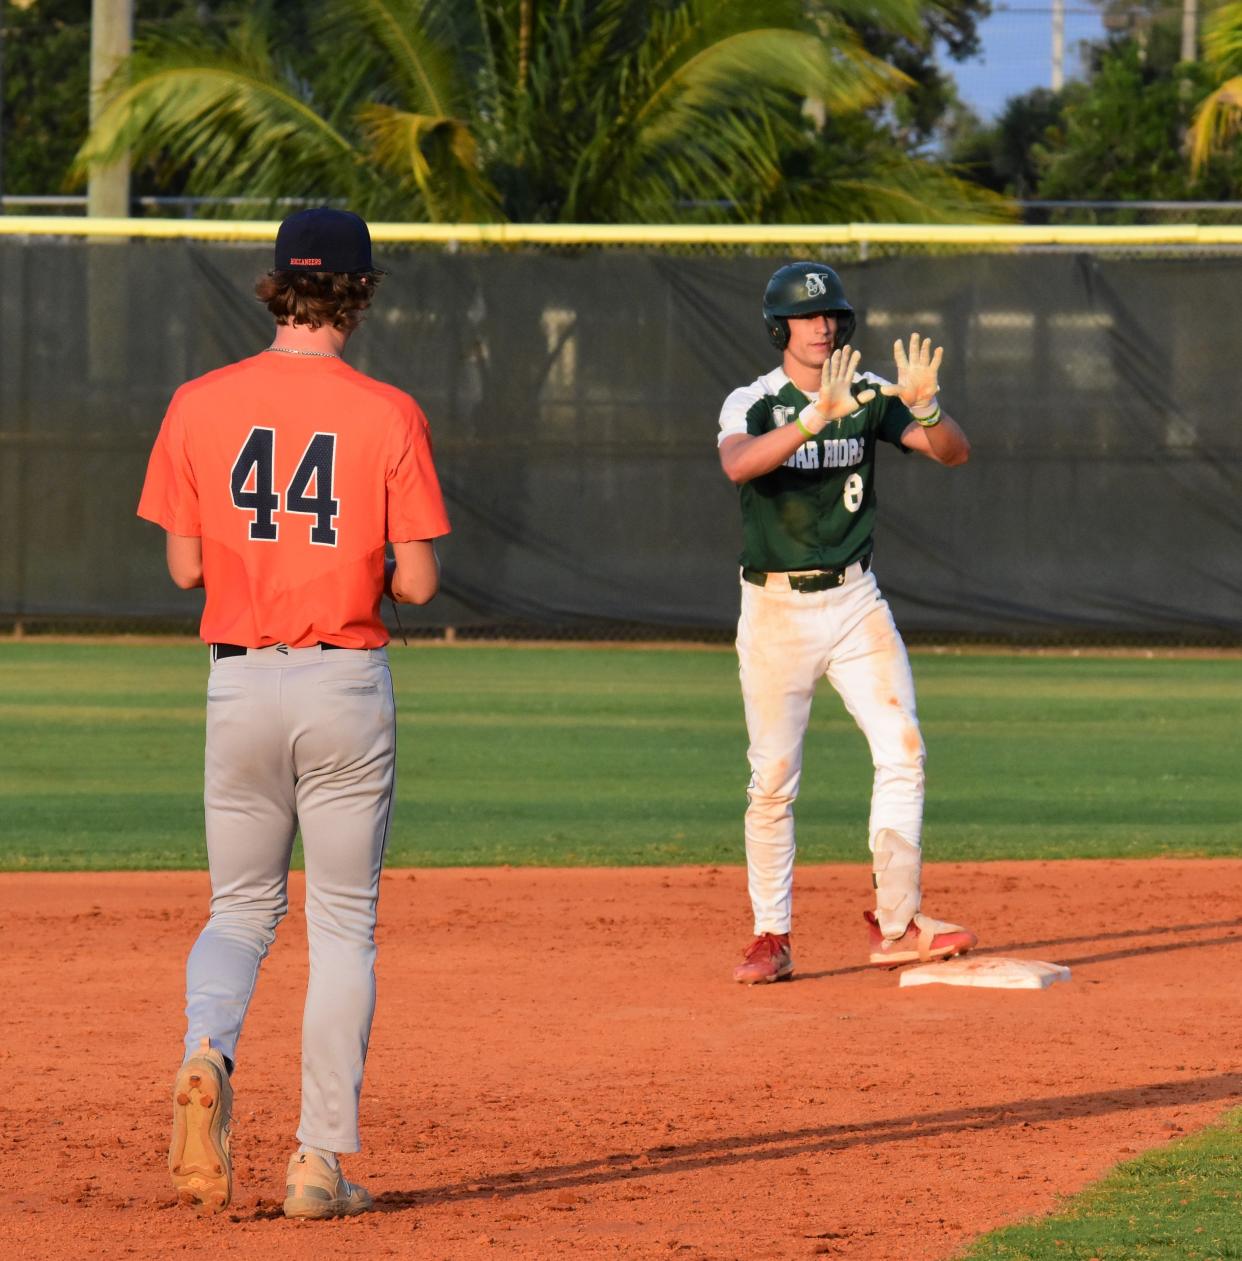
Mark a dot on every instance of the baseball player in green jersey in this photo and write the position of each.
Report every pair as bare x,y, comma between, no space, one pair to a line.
800,443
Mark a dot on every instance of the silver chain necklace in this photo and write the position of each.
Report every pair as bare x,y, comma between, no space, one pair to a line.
290,350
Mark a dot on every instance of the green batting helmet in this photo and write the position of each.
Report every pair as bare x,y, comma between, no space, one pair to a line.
805,289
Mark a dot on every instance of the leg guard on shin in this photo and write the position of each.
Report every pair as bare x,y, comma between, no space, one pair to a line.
896,868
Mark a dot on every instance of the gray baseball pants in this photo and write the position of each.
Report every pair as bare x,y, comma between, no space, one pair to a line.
297,737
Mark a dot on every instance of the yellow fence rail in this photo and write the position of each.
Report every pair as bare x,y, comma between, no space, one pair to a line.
586,234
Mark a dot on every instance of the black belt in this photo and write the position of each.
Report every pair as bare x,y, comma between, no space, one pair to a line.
220,651
819,580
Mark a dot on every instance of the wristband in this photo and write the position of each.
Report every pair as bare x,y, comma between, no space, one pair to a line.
817,419
929,422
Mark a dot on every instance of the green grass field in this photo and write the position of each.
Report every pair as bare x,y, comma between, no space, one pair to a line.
617,756
1180,1203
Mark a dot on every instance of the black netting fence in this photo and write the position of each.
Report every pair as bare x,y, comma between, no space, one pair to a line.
573,396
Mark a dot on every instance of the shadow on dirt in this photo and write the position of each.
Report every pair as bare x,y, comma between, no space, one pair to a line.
1129,934
784,1144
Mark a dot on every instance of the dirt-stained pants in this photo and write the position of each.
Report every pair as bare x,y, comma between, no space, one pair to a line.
297,737
787,641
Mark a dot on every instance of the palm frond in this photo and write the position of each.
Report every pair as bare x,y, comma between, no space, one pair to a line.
895,189
439,156
1218,118
1217,121
704,53
409,49
1222,40
710,97
239,121
531,130
545,109
570,60
907,18
713,182
843,76
487,71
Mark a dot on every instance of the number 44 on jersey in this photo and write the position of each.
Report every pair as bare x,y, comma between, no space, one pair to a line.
309,492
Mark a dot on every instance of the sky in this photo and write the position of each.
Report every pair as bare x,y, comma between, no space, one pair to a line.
1016,52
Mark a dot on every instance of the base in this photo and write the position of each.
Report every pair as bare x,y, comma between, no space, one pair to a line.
989,972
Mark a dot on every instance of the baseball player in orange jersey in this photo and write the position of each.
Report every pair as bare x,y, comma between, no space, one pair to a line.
800,444
279,480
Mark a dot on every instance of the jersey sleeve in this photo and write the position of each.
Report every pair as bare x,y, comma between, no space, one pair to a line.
415,504
170,492
734,415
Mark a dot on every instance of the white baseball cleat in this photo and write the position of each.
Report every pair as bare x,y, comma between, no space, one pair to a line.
198,1157
315,1189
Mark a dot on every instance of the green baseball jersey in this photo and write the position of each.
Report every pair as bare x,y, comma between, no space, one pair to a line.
817,510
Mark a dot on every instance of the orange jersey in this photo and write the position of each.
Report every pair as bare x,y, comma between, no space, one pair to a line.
295,471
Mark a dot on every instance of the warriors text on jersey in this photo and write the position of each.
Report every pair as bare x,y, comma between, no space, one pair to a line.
293,470
817,510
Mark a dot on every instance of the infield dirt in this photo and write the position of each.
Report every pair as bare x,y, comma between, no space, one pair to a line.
561,1067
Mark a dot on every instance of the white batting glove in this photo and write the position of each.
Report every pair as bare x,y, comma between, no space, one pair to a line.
835,399
918,375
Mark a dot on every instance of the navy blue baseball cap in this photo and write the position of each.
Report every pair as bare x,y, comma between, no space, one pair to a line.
323,239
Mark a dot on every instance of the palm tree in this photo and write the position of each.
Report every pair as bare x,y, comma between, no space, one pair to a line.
529,110
1219,116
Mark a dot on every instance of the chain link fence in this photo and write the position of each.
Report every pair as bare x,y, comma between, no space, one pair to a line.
573,388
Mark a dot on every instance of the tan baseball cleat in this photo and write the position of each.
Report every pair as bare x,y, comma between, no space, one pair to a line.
198,1157
313,1189
925,939
768,958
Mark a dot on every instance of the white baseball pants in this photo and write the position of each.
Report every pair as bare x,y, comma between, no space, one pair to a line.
301,737
787,640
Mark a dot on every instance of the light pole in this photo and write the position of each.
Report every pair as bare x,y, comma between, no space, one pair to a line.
2,9
112,37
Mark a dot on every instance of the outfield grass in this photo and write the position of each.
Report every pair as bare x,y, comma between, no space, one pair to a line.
617,756
1181,1203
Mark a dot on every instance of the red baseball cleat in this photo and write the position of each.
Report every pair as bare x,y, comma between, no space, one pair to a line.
767,959
925,939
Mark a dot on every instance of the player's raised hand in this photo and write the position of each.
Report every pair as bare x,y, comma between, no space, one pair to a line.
918,372
835,397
